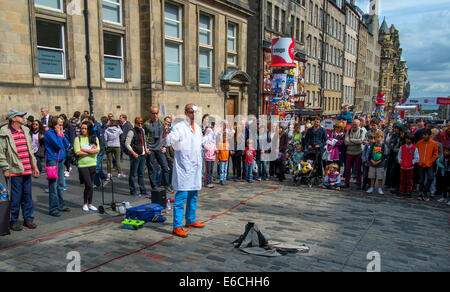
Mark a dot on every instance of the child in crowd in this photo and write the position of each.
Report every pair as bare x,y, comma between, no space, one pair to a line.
443,176
408,155
366,162
298,155
377,160
332,179
249,160
210,159
223,154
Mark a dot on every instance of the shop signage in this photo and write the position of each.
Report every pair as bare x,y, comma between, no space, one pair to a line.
283,52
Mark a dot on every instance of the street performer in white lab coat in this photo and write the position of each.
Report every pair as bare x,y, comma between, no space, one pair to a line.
186,138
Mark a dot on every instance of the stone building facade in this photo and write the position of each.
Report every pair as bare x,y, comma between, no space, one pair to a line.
195,52
314,49
333,58
43,63
136,49
362,91
351,53
372,62
272,19
393,68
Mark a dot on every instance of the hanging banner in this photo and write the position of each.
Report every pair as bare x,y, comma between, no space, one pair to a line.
278,85
283,52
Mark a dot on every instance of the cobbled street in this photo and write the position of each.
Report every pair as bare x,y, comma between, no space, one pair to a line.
339,227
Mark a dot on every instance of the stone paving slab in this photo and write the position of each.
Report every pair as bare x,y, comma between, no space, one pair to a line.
408,235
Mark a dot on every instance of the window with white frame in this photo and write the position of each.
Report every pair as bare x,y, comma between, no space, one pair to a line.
113,57
173,43
112,11
50,4
313,74
232,43
205,54
51,49
308,68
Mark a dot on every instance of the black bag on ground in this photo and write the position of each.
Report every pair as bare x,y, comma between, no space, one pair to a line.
5,217
159,197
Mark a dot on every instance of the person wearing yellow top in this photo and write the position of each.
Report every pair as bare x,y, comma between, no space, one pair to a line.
87,147
223,154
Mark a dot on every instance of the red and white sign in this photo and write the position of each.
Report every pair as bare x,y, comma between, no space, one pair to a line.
443,100
283,52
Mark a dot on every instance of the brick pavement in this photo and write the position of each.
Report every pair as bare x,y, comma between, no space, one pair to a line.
409,235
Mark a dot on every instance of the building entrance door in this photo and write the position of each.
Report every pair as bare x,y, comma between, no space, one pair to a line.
232,105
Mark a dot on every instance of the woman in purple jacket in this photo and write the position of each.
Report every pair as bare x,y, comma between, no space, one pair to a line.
339,134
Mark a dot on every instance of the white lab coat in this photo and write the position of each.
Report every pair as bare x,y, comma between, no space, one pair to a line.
187,145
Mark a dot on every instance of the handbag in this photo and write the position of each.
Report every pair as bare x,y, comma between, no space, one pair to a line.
52,171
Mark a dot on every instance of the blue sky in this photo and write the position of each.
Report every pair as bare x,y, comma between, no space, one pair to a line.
424,28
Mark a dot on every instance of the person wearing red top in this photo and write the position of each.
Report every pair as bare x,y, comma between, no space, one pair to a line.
249,160
408,155
444,137
18,164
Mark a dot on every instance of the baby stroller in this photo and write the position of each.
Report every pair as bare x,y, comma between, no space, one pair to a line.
307,172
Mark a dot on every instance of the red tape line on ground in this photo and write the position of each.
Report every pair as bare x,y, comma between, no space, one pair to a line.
56,234
155,243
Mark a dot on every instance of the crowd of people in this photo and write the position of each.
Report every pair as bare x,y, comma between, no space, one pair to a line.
404,157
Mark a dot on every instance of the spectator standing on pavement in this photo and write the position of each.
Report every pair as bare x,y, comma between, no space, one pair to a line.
354,141
338,133
75,121
419,130
187,140
210,159
87,147
281,157
249,160
237,153
444,137
69,133
170,153
428,153
223,155
112,140
138,150
316,138
56,145
126,126
443,177
365,159
18,165
154,129
377,155
374,127
263,152
45,118
408,156
37,139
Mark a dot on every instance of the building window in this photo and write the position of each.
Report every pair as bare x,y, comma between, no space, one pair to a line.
276,19
297,30
232,44
269,15
308,68
113,57
283,21
51,49
173,43
316,16
112,11
310,14
308,45
313,74
205,50
303,32
50,4
325,80
315,48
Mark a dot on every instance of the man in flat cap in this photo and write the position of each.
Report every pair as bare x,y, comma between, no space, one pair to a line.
18,164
